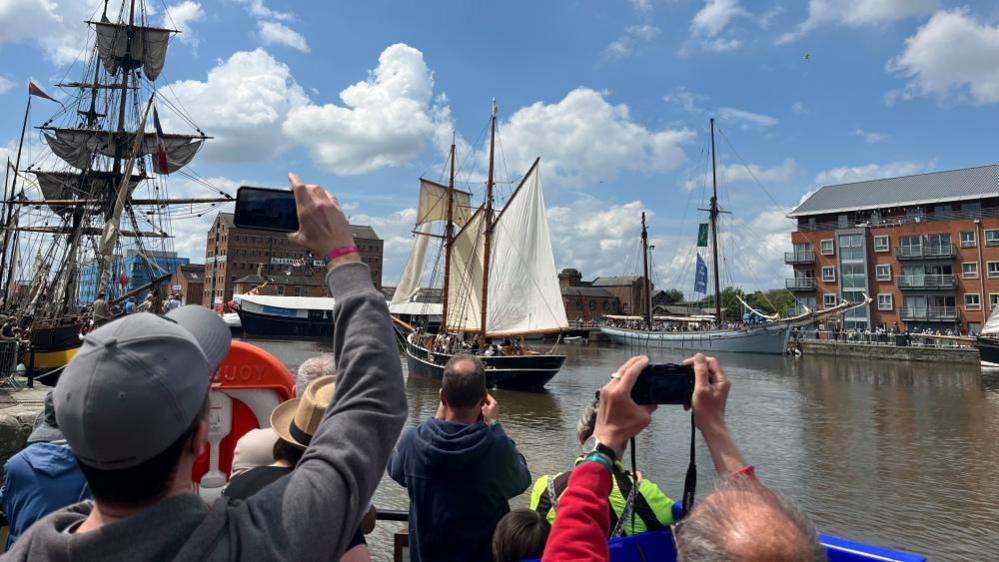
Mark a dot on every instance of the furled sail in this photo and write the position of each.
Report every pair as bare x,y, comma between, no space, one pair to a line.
524,294
149,47
77,146
409,283
465,283
59,186
433,204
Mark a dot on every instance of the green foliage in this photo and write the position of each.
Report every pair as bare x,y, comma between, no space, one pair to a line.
773,301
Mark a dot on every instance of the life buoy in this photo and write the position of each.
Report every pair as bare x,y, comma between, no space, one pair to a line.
249,384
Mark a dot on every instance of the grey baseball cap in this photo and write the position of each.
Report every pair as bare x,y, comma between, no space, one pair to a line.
138,383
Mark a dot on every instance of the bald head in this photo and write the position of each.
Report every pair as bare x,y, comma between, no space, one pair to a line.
746,521
464,384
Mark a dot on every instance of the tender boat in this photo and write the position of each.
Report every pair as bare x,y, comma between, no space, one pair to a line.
272,316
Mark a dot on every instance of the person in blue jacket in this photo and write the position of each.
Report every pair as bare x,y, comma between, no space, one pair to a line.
460,470
41,478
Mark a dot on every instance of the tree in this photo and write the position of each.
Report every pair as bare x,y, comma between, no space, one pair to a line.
667,297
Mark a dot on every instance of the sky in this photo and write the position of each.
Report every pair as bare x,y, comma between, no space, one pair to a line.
613,96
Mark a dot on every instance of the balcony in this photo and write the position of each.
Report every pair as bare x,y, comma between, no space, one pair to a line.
800,284
799,258
930,313
923,282
944,251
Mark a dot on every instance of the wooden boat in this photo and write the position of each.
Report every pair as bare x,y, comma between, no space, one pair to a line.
269,316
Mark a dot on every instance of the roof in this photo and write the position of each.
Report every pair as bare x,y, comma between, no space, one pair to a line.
583,291
292,303
922,189
615,281
192,271
362,231
305,280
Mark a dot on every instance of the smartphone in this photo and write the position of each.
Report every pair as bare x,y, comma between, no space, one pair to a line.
664,384
266,209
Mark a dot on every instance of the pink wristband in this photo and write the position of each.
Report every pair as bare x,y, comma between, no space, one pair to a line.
341,251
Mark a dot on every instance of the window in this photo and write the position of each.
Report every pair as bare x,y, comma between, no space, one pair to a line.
280,289
829,274
881,243
828,300
969,239
298,291
882,271
851,247
993,269
593,305
993,301
886,301
827,247
969,270
992,237
972,301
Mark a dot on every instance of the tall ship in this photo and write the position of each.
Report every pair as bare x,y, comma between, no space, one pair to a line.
499,282
98,190
766,334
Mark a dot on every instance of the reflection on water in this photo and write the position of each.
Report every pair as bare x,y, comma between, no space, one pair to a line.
897,454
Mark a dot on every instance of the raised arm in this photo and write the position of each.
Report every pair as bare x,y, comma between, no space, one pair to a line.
321,504
711,387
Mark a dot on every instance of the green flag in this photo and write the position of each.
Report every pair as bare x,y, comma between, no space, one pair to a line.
702,235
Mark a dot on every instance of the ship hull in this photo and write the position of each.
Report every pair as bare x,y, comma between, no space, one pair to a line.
769,339
510,372
988,349
272,326
52,348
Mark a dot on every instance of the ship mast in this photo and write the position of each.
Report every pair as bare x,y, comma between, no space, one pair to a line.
488,229
647,283
713,210
10,208
448,238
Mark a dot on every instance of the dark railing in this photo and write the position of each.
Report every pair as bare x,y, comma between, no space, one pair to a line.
799,258
882,222
930,313
926,281
925,252
800,284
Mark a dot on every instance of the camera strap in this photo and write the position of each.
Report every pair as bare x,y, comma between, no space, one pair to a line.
690,482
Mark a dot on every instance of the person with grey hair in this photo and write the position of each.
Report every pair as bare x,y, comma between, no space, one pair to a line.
256,447
717,528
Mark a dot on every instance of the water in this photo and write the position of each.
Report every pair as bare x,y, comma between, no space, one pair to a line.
897,454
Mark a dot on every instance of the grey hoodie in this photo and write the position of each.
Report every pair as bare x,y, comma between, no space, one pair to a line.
310,514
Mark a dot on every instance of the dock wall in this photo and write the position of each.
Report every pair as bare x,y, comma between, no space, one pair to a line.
966,355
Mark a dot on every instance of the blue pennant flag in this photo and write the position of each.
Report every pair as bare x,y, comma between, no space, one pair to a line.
701,276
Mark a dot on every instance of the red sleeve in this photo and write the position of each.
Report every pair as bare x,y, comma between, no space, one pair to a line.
583,520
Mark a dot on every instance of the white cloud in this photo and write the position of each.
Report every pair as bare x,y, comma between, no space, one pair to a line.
258,9
180,16
189,232
953,52
799,108
641,6
277,33
851,174
243,104
384,120
57,26
710,22
687,100
857,13
730,174
746,119
584,136
596,237
625,45
870,137
396,231
6,84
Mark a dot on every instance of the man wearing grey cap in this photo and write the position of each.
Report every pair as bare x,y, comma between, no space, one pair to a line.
133,403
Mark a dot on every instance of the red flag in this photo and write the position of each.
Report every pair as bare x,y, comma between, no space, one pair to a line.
34,90
160,164
123,280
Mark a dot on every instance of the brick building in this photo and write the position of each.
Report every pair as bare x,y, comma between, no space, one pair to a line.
629,290
283,285
189,281
233,253
582,301
924,247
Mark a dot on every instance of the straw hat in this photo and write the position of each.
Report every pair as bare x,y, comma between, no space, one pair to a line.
297,420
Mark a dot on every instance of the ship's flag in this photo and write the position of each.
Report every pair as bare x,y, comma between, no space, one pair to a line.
702,235
123,280
34,90
160,164
701,276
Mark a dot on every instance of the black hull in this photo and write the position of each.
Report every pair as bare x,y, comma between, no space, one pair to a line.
988,349
56,338
509,372
267,326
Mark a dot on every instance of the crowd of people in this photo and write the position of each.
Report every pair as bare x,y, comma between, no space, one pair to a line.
130,415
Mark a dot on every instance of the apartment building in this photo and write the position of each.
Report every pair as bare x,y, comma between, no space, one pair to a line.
924,247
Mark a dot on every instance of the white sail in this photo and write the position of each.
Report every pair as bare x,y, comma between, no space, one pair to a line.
409,284
149,47
433,204
991,327
77,146
464,295
524,294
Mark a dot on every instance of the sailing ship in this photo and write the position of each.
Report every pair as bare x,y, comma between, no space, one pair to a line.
987,340
707,333
99,190
499,282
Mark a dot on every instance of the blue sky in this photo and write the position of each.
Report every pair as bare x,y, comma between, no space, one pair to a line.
614,96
